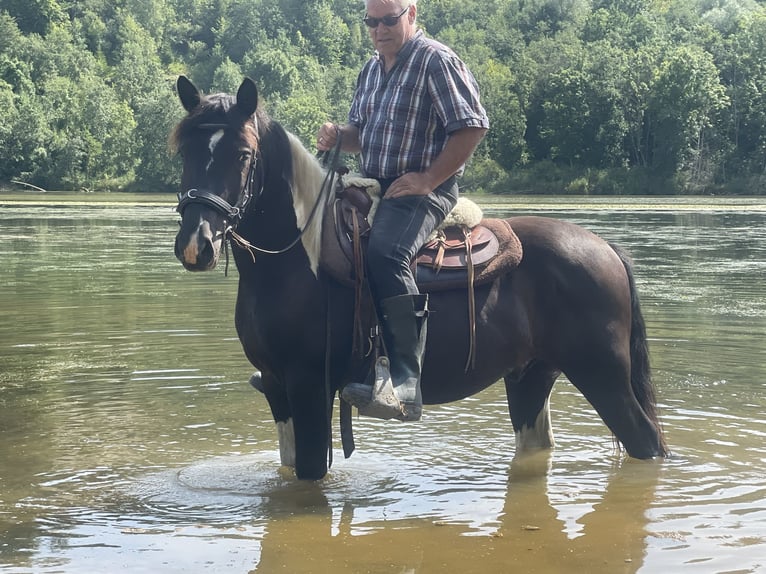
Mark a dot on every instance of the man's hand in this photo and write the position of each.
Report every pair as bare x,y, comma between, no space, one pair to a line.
327,136
412,183
459,148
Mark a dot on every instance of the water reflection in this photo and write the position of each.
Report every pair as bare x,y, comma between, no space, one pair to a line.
265,521
311,527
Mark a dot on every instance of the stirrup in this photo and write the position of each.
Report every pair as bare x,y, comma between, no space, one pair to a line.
380,399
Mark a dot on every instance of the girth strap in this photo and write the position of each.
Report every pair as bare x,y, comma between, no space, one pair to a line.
471,362
359,284
436,263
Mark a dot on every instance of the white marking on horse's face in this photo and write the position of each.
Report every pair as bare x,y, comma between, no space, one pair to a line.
214,140
202,233
286,434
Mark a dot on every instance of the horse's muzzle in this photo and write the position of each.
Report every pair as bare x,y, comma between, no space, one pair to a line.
198,248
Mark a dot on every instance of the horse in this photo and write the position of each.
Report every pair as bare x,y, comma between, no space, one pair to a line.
571,306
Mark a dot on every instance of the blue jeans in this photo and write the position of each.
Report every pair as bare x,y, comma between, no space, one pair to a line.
400,228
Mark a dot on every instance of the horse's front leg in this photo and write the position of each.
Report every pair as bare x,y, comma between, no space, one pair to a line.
299,405
276,395
309,405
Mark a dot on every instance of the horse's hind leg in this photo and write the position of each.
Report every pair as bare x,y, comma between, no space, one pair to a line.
528,405
605,383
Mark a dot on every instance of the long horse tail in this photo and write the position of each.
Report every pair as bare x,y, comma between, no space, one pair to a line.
640,368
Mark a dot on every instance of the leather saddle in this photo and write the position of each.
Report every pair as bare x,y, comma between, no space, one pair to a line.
457,247
466,250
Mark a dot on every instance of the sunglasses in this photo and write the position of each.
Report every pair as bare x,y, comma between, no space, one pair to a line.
385,20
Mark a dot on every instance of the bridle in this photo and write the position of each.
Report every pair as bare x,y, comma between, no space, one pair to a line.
232,213
248,198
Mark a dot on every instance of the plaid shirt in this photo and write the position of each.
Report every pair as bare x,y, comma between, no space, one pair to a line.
404,117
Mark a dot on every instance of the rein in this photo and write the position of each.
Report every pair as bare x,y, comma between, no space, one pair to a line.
325,190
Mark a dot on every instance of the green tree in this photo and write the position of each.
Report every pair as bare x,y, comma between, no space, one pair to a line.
314,22
137,71
273,69
301,113
742,60
686,97
35,16
243,30
92,141
601,87
227,77
8,121
157,169
505,140
10,35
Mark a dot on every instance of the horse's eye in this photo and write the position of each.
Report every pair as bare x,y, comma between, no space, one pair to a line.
244,156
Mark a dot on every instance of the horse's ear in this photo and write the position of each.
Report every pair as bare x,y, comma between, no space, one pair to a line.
188,93
247,97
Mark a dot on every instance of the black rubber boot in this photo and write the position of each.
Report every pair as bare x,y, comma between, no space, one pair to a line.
396,390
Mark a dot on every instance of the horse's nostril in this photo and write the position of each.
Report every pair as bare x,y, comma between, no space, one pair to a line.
207,251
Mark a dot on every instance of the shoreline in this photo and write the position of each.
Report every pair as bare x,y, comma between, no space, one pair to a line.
487,202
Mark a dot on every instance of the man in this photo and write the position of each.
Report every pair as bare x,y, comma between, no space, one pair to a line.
415,119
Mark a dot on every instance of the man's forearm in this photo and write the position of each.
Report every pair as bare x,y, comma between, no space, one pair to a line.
350,135
460,145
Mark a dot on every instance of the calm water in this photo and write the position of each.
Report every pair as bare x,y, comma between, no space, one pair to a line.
130,440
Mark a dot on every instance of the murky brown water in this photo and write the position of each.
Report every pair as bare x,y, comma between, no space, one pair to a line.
130,440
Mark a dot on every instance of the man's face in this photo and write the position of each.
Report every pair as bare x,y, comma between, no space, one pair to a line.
388,40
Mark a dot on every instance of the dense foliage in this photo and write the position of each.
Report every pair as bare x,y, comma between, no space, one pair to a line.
584,96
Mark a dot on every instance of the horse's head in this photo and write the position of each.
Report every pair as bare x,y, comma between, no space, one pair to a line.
218,142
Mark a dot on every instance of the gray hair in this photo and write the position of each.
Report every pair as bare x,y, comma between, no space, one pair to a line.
402,3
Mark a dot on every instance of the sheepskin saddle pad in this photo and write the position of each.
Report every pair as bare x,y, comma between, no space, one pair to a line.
466,248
